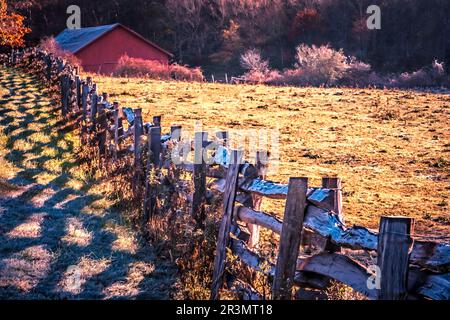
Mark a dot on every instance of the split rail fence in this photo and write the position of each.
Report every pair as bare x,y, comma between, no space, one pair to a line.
407,267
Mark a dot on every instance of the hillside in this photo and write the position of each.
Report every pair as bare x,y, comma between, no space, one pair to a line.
391,148
60,236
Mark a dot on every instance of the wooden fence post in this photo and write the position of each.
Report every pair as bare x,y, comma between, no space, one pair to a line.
290,239
153,159
394,241
73,93
116,129
229,198
102,130
335,186
157,121
223,137
155,146
84,96
64,94
48,71
261,166
335,204
94,104
137,150
105,97
199,197
175,133
78,85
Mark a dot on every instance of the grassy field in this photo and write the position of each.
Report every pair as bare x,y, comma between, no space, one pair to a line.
391,148
60,236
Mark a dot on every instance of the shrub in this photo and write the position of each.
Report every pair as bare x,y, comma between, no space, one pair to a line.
252,61
317,66
321,65
180,72
135,67
257,68
357,74
433,75
289,77
50,45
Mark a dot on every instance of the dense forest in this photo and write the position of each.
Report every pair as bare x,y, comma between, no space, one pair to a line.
214,33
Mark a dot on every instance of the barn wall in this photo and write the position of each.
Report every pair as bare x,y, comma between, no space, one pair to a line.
103,54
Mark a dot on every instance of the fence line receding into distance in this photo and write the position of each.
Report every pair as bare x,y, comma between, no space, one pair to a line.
313,216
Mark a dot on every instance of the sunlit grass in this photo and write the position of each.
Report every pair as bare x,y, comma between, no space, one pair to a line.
49,196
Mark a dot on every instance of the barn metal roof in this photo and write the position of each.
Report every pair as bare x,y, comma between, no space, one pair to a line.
74,40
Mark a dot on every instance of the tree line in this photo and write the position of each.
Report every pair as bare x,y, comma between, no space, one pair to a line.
214,33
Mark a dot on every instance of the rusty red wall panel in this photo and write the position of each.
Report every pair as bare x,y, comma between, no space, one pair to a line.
102,55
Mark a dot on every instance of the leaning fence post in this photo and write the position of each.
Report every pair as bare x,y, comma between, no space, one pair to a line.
137,150
229,198
291,231
199,197
394,241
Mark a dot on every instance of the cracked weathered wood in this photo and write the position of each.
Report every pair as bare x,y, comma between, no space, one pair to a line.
199,176
346,270
291,231
434,256
394,241
225,224
138,130
262,219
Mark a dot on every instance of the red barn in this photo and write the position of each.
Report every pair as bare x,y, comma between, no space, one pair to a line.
100,48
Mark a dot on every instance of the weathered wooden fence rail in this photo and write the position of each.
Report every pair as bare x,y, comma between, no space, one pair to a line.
407,268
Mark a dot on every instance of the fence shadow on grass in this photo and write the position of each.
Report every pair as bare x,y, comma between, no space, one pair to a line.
56,238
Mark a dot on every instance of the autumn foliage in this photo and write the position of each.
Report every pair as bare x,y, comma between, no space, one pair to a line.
50,45
135,67
12,28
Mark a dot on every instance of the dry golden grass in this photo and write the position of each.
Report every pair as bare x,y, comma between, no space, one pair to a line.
61,235
390,147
